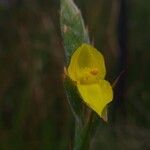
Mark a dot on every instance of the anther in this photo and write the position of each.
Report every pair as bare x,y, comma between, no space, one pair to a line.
94,71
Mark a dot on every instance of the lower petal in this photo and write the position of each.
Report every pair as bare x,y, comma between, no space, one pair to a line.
96,95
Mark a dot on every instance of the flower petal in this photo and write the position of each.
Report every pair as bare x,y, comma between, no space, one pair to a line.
73,64
84,57
97,96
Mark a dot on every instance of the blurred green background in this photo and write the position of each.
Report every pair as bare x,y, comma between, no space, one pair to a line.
34,113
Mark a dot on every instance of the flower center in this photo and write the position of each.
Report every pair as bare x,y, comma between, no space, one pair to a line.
89,75
94,71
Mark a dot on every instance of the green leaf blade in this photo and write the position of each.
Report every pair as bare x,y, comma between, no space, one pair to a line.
72,28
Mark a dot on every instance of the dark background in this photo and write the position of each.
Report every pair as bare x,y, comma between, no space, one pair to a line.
34,113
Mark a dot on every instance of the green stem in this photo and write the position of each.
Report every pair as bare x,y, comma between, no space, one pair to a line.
82,135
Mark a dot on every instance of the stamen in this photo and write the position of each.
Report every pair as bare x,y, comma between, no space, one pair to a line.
89,75
94,71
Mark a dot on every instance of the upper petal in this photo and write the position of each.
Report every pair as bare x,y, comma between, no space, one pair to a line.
97,96
85,57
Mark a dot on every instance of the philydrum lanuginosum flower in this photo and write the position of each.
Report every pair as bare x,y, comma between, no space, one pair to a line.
87,70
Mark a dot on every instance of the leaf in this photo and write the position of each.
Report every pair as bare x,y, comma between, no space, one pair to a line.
74,34
72,28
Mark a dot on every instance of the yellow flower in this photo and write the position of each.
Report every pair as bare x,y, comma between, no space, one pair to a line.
87,69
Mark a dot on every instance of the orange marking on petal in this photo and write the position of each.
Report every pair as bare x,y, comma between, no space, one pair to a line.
94,71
